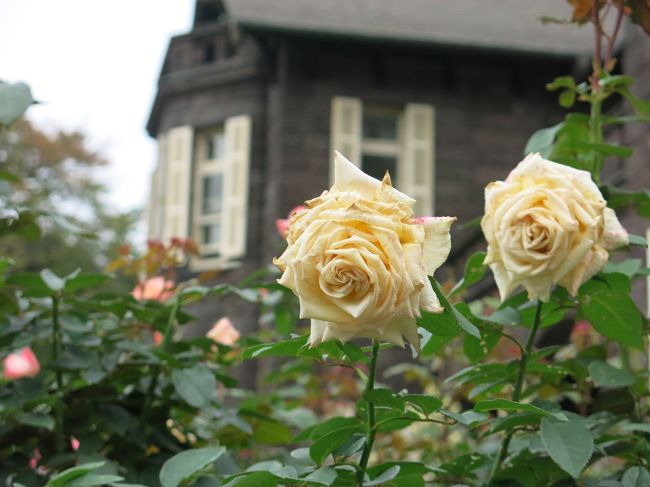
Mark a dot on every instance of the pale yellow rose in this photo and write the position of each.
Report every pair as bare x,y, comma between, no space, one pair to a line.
547,224
358,261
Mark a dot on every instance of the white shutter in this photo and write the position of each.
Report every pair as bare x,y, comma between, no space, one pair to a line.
417,165
156,207
177,182
345,130
238,142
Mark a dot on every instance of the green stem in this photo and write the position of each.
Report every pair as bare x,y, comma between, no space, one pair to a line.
596,132
156,369
516,394
169,328
56,351
371,430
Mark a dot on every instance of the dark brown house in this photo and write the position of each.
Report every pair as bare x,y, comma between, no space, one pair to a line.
253,100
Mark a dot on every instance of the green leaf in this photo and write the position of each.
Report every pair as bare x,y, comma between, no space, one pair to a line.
184,465
384,477
62,479
628,267
477,349
513,420
196,385
93,480
326,444
459,319
603,149
643,427
52,281
468,418
620,198
567,98
636,477
385,398
426,404
270,432
507,405
253,479
474,271
613,314
334,424
460,312
604,374
30,283
637,240
284,348
15,98
542,140
569,444
35,419
84,281
323,476
641,107
561,82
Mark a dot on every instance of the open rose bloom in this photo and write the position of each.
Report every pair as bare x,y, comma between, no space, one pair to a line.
154,289
547,224
358,260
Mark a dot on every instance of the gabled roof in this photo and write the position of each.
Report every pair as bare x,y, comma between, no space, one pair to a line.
498,24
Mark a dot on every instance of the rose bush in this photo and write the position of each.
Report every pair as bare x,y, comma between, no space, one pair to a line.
547,224
358,261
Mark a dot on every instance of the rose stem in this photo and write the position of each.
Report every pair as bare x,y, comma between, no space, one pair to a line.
370,433
516,394
156,369
56,350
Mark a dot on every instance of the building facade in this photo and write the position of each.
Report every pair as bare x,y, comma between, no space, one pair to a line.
254,99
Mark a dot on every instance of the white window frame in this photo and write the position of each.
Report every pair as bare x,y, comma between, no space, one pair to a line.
205,167
413,147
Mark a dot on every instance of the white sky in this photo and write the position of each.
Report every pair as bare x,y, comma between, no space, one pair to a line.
94,65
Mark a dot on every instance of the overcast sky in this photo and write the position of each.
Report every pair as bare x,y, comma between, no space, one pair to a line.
94,65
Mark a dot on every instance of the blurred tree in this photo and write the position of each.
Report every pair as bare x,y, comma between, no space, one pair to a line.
55,176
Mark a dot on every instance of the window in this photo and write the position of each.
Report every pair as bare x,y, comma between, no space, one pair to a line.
398,139
380,145
203,175
221,193
209,185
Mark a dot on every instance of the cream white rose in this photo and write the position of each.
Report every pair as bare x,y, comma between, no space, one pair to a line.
358,261
547,224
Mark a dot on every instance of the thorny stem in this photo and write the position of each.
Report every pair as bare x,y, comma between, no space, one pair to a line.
371,429
516,394
56,351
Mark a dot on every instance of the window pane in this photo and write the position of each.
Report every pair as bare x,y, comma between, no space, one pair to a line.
216,145
379,125
210,234
376,166
211,195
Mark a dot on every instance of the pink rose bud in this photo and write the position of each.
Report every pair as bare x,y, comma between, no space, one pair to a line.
157,338
74,443
34,459
20,364
155,289
282,224
224,332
